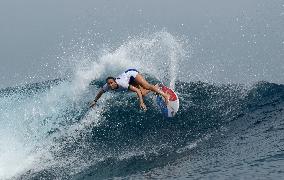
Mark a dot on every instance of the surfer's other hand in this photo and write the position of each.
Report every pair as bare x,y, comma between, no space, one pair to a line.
143,106
93,103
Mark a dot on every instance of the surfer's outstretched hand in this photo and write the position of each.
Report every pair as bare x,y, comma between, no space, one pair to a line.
143,107
92,104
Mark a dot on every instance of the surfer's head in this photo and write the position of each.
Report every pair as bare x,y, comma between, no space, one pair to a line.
111,82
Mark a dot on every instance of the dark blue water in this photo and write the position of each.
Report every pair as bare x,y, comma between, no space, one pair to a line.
227,131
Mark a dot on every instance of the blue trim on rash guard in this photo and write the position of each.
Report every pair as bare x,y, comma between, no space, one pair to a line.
131,70
131,80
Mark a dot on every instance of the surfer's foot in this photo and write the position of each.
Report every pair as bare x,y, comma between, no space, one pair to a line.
167,98
157,86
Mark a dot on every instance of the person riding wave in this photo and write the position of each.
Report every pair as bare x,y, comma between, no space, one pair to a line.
131,80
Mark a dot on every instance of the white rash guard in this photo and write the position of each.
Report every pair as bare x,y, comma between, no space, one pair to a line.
123,80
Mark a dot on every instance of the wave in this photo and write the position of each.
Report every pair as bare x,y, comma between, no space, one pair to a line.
72,141
49,128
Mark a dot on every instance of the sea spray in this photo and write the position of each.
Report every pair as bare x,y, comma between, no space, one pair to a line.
43,119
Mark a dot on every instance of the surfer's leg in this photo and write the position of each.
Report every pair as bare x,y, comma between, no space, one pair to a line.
144,91
139,79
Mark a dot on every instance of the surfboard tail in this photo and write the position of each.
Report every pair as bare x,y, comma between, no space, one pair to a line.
171,109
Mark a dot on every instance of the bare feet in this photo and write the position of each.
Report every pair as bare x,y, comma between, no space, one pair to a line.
167,98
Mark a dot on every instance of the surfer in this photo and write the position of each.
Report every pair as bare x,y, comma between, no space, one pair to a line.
131,80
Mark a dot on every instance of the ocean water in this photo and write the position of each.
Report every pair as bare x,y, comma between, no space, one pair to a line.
222,131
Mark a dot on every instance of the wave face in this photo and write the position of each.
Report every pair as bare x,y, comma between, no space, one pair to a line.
220,132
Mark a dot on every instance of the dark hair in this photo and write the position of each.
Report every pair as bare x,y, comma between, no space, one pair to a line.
110,77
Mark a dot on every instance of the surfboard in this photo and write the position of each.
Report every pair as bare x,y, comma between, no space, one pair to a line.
171,109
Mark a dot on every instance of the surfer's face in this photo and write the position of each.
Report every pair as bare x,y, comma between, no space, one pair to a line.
112,84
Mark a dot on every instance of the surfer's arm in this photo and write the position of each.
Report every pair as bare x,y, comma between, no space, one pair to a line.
100,93
139,94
